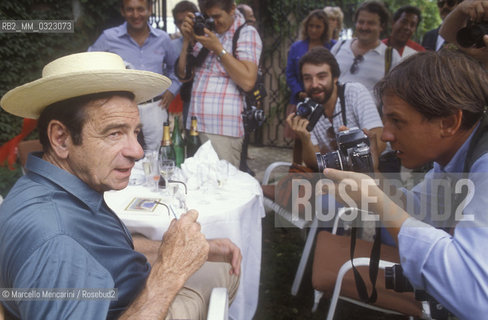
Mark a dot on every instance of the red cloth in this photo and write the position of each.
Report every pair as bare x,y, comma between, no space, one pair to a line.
8,151
176,106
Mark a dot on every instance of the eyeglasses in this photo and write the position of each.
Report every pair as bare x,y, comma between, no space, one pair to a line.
355,65
450,3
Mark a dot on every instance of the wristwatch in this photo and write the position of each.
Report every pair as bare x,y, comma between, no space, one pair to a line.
221,54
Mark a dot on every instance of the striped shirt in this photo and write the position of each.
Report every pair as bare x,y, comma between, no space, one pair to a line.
370,70
216,100
361,112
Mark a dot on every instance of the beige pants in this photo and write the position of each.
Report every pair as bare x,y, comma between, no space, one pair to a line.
192,300
227,148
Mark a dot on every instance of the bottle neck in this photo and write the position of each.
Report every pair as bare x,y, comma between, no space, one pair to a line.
193,128
166,137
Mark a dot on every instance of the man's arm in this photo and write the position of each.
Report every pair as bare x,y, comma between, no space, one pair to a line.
474,10
299,126
244,73
181,253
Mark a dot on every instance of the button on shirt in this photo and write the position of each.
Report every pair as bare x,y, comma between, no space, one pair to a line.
56,232
216,100
156,54
453,269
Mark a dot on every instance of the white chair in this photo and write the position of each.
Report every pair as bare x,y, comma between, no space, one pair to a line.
271,205
218,308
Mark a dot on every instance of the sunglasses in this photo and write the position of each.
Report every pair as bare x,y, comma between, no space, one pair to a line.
355,65
450,3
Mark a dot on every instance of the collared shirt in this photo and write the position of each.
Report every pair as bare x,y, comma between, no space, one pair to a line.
370,70
156,54
361,112
411,47
216,100
56,232
452,269
293,79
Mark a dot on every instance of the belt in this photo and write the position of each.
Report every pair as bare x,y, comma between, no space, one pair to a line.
152,100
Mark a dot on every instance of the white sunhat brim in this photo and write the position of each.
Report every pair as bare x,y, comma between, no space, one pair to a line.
82,74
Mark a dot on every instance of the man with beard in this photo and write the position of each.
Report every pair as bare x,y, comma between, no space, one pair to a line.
320,73
405,23
432,39
366,59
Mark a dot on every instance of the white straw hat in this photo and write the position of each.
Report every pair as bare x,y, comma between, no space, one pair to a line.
81,74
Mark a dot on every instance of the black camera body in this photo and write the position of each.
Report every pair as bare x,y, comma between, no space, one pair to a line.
310,110
253,118
353,153
472,35
200,22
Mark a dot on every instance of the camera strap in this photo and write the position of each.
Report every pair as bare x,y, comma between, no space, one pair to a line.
373,267
341,88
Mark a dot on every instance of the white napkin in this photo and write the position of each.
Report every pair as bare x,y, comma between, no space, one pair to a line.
205,170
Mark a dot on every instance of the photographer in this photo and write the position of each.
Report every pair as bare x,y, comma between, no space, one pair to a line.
320,73
439,117
468,11
216,97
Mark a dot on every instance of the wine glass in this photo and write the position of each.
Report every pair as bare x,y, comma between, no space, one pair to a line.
166,168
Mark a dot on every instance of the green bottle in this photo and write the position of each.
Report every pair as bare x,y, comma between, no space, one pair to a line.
178,143
167,151
193,142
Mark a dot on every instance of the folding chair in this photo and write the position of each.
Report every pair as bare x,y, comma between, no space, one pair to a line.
270,204
332,276
24,148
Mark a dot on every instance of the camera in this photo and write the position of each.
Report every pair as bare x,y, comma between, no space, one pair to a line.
353,153
252,118
472,35
200,22
395,280
310,110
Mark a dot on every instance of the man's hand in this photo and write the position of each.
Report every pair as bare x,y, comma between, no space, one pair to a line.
187,27
184,248
299,126
224,250
210,41
166,99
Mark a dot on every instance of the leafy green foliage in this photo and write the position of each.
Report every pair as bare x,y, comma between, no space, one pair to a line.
23,55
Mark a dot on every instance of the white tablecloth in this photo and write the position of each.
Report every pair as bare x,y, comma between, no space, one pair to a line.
232,211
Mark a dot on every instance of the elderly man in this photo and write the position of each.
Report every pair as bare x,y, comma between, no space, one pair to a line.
144,48
248,14
405,23
57,232
439,117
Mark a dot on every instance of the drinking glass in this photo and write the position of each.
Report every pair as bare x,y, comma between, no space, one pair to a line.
166,168
151,169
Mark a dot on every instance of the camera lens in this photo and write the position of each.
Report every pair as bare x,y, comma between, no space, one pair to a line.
303,110
259,115
332,160
472,35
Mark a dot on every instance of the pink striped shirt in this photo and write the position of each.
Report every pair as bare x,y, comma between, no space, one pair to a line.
216,100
